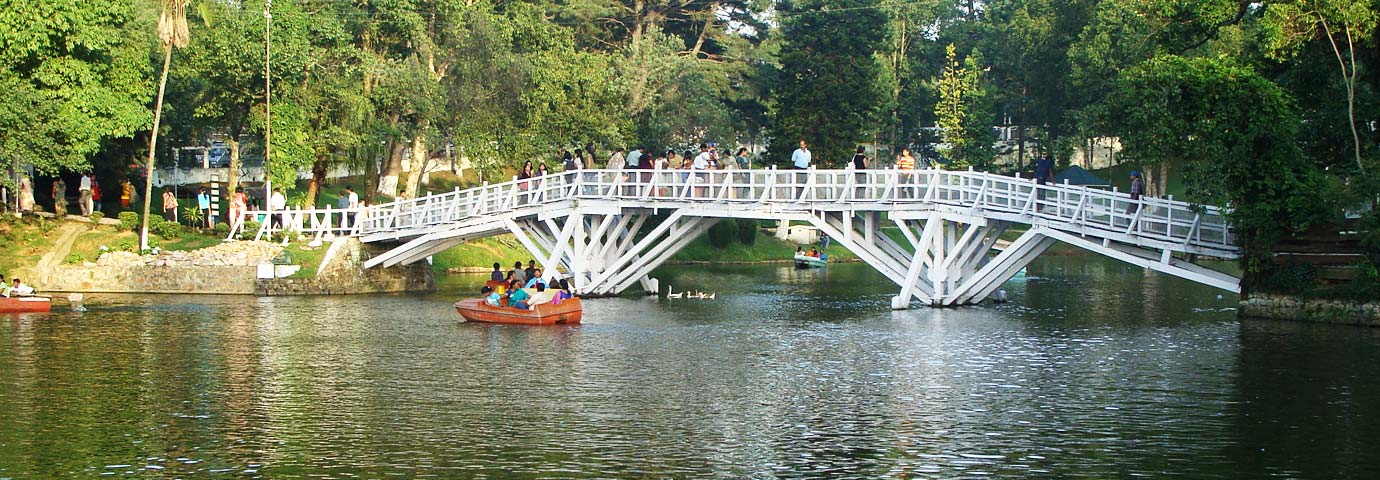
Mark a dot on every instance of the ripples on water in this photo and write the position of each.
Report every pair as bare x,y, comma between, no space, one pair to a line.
1095,370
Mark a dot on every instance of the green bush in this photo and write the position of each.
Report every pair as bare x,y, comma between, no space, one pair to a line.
221,229
97,216
167,229
125,246
128,221
747,232
248,230
721,235
75,259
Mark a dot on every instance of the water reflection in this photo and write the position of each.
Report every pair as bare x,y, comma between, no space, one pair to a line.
1093,370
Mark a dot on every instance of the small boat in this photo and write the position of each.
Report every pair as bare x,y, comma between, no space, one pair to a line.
568,312
25,304
806,261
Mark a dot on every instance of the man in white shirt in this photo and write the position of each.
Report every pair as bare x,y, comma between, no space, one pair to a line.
85,189
277,202
633,157
800,159
701,161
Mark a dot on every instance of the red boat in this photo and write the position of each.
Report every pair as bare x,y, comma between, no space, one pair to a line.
568,312
25,304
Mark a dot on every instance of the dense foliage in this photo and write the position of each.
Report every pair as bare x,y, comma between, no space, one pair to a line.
1270,107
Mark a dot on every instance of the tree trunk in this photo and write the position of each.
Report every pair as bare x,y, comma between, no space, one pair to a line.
318,178
371,173
233,180
153,144
1164,180
1020,131
418,165
388,182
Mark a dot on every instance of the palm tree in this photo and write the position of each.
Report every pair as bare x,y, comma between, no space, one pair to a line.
172,31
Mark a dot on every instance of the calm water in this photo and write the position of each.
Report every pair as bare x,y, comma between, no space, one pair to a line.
1094,370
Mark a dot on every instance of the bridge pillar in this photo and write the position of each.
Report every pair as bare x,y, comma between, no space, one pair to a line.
601,252
947,256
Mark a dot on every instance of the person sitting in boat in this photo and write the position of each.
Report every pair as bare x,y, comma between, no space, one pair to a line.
491,297
517,274
563,293
19,289
518,298
497,274
799,251
535,280
541,296
814,252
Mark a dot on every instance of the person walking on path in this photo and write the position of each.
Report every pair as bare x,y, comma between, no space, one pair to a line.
169,205
126,193
26,194
60,198
203,204
84,194
96,195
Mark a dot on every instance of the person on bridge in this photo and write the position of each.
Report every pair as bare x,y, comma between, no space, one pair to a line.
632,161
1044,173
1137,189
800,158
616,161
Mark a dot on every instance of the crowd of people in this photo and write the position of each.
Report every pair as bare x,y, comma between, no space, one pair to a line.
523,288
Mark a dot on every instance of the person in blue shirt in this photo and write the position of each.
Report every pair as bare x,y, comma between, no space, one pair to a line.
203,203
535,280
497,274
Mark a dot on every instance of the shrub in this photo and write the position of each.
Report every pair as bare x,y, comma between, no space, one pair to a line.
75,259
193,216
747,232
97,216
721,234
128,221
125,246
248,230
167,229
221,229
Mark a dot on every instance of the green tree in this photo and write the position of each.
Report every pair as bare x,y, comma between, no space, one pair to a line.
1236,133
75,79
1342,24
829,92
964,112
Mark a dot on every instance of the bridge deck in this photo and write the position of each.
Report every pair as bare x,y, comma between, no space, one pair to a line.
1157,223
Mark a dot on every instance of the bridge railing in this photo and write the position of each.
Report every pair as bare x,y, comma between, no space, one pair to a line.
1063,206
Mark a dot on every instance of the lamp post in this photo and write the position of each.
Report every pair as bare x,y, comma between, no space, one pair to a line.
268,110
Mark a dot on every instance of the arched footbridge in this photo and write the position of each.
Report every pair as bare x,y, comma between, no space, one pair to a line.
933,232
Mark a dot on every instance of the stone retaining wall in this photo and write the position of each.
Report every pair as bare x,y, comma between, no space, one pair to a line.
147,279
343,273
1285,307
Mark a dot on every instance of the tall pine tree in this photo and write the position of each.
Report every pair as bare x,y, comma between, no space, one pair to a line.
830,93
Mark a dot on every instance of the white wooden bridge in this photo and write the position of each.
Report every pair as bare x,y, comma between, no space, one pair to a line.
606,230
